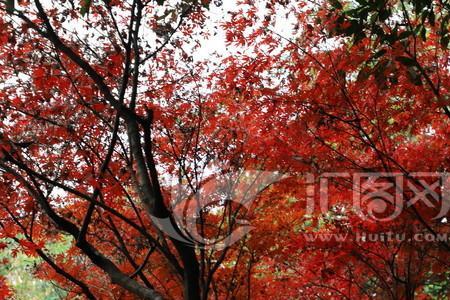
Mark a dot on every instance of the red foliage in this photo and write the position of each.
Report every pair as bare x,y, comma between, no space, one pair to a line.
109,123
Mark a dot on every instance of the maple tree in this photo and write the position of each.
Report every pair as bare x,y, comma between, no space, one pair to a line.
111,132
343,95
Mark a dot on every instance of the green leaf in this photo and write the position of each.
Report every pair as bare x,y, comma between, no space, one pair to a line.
407,61
85,7
404,34
336,4
424,16
373,18
384,14
391,121
393,79
379,54
423,33
444,41
10,6
432,18
354,28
